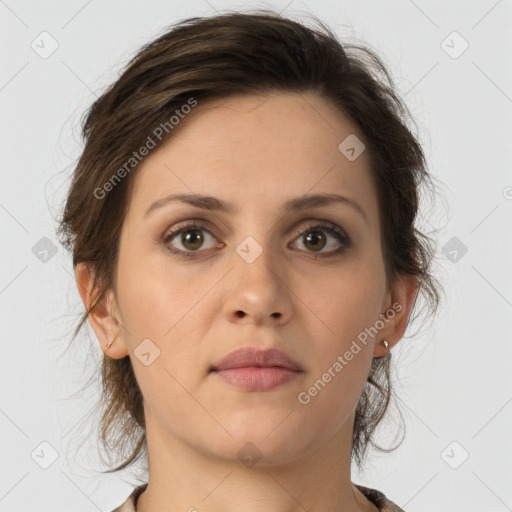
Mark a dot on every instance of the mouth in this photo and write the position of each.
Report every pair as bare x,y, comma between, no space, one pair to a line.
257,378
253,369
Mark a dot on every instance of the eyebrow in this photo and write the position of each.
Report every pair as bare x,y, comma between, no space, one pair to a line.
293,205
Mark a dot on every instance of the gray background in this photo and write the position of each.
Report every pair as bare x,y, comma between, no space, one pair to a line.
453,378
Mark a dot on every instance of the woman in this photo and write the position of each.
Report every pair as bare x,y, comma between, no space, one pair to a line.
242,228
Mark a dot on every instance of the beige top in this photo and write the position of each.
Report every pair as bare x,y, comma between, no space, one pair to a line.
376,497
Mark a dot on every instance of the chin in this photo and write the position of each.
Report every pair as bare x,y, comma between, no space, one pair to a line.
265,440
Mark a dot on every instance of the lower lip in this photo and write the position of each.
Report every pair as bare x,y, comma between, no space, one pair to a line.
253,378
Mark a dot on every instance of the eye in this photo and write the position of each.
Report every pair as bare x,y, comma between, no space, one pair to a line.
191,238
314,239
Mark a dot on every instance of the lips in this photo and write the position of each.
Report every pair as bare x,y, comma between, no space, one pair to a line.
251,357
251,369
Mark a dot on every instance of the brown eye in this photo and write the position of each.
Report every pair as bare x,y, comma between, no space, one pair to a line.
192,239
315,240
317,237
188,240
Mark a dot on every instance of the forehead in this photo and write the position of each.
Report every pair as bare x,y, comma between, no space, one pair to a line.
266,148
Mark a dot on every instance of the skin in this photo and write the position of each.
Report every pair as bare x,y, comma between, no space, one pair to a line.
256,152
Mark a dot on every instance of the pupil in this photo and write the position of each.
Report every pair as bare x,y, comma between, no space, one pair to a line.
190,238
313,236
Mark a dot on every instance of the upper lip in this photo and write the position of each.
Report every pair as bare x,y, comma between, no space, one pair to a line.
249,356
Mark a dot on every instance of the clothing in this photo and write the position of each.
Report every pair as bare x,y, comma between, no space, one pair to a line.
376,497
379,500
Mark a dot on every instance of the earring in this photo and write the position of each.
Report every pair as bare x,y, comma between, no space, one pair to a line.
386,344
109,345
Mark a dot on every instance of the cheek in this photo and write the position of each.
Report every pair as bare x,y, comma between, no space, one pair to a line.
172,308
342,364
344,351
333,393
345,303
153,293
161,307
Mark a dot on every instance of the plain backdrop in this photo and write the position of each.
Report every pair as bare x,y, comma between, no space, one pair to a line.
451,64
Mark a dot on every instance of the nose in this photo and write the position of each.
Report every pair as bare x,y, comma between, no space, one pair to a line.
256,290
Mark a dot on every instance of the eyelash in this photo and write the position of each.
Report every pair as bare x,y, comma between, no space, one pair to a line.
338,233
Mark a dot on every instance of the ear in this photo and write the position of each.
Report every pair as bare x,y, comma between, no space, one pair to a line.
398,306
104,319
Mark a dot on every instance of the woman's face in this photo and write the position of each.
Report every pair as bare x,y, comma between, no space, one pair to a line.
253,274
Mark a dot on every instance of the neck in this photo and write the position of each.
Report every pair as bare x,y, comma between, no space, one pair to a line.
183,477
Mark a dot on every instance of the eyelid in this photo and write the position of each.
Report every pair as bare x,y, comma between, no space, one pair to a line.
308,221
336,231
326,224
188,223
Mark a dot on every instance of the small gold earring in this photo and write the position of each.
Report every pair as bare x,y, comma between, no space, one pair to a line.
386,344
109,345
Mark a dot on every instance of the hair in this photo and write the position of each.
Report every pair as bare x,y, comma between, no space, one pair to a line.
217,57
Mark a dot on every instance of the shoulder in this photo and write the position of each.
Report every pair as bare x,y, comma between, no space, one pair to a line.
375,496
129,504
379,500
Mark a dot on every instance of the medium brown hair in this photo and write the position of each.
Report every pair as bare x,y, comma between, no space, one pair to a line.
215,57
